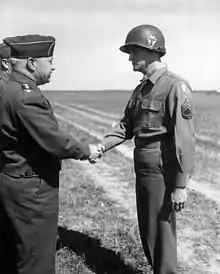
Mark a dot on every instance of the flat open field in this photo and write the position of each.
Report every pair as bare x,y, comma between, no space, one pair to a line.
97,225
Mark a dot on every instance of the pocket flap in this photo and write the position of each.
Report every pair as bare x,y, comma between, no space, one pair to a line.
152,105
146,103
156,105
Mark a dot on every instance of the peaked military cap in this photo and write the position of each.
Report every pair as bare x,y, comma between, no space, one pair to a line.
4,51
32,45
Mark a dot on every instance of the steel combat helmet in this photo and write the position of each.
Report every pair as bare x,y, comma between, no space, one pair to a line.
146,36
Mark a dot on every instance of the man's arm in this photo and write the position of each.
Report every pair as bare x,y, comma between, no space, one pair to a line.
121,131
181,112
36,116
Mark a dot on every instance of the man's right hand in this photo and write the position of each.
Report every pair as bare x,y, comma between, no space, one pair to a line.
96,152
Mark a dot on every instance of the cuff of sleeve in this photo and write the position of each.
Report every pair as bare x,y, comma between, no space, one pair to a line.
107,144
85,151
181,180
110,143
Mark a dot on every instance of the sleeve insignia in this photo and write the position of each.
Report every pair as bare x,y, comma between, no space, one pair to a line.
184,89
26,88
186,109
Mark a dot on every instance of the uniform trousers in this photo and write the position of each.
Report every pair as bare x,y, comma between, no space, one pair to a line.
28,223
156,218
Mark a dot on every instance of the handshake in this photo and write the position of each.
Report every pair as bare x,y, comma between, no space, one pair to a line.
96,151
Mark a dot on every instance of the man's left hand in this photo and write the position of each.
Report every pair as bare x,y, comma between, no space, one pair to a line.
179,198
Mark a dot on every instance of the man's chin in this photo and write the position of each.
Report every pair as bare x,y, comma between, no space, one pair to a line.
48,80
43,82
135,68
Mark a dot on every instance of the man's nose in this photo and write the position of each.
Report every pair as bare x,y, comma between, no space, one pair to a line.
130,57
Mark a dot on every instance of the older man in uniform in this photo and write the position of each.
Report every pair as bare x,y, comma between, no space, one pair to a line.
32,146
159,115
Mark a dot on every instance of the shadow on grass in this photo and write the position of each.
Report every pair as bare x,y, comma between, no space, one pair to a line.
100,259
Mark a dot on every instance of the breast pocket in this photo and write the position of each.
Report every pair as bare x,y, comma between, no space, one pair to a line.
153,110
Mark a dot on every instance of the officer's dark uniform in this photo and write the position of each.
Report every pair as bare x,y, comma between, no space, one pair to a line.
159,116
31,147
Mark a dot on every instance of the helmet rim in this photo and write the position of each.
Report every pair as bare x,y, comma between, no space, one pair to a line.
125,48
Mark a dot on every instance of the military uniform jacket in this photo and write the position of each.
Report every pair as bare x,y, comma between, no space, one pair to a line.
30,139
160,108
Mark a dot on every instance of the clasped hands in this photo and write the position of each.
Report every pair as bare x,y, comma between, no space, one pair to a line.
96,151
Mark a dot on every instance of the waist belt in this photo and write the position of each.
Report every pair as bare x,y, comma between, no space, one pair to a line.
144,143
153,142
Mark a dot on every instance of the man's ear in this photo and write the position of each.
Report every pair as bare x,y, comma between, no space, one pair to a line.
4,63
31,64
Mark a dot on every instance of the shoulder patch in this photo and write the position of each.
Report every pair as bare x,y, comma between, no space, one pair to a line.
187,106
184,88
186,109
26,87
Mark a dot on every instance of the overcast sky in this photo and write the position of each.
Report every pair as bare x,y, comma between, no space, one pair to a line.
89,33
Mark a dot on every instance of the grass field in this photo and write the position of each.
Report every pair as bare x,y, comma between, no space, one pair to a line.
97,225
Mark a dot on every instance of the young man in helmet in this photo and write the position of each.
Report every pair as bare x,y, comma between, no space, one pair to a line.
159,115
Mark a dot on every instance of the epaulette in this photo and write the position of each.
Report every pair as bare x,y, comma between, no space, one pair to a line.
26,87
176,77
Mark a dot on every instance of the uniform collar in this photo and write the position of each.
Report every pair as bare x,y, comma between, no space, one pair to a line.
21,78
154,72
4,75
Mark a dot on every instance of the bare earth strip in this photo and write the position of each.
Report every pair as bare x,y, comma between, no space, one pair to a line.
118,194
100,113
205,138
94,117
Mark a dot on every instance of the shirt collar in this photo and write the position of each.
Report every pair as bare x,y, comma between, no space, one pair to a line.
21,78
154,72
4,75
